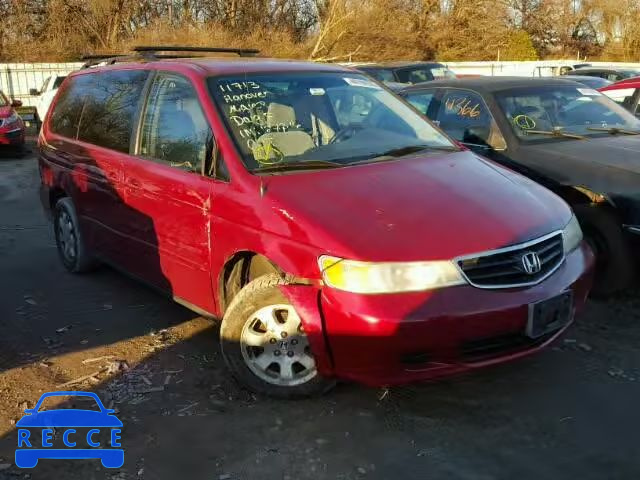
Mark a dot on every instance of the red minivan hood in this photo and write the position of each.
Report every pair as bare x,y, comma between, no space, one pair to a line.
6,111
426,207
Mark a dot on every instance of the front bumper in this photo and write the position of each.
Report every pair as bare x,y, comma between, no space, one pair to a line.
393,339
13,136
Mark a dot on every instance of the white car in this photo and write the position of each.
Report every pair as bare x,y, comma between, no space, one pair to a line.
46,93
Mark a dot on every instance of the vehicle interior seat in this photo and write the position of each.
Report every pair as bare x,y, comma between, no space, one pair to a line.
316,116
285,139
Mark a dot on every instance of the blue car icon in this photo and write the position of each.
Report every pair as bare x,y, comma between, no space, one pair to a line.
29,452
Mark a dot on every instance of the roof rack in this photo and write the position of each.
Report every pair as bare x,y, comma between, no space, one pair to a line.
243,52
149,53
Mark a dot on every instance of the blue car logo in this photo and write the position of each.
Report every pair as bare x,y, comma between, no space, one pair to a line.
34,445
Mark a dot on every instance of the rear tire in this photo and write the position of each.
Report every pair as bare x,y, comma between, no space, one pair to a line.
264,345
69,240
615,263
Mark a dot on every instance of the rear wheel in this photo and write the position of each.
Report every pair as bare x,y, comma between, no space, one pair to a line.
264,344
615,263
69,240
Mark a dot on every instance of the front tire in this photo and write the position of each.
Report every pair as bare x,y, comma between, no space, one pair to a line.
264,344
69,240
615,263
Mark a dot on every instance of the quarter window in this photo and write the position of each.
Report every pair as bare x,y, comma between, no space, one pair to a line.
464,115
109,109
175,131
68,106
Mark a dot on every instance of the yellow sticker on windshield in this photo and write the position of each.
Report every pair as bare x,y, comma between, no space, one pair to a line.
525,122
267,154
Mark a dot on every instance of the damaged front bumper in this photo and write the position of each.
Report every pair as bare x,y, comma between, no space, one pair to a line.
382,340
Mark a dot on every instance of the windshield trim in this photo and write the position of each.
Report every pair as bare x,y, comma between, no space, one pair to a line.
225,121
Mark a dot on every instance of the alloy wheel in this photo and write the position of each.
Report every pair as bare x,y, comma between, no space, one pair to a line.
275,347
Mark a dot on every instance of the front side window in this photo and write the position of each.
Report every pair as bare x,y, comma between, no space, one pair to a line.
622,96
58,81
175,131
558,111
421,100
464,115
333,119
111,103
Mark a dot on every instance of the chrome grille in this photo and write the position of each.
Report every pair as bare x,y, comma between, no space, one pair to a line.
504,268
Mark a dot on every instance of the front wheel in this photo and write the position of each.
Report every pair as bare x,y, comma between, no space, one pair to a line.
615,263
264,344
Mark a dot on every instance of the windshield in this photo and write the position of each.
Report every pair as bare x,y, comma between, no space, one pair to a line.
558,108
333,119
422,73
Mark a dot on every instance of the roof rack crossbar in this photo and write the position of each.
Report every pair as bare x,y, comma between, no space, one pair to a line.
243,52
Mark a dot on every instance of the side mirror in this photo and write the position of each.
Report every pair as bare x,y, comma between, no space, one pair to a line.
34,91
16,103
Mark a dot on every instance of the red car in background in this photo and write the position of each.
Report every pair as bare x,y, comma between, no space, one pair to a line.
11,125
626,93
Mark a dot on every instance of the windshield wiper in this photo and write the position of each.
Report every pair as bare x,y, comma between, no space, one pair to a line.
286,166
401,151
614,130
557,132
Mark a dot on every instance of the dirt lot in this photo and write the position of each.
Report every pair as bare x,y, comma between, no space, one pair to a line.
570,412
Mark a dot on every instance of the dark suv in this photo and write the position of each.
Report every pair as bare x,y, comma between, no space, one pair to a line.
405,72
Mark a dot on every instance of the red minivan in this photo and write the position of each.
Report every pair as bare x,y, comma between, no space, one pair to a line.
333,230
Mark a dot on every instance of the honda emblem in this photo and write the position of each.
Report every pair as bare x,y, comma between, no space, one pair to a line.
531,263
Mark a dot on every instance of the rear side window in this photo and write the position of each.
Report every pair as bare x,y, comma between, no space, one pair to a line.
109,109
68,106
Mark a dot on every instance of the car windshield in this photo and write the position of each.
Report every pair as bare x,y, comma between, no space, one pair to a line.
561,110
307,120
422,73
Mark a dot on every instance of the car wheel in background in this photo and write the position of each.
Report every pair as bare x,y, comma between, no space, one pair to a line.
615,263
264,344
71,247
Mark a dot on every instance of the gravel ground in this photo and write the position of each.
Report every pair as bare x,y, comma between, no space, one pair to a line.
570,412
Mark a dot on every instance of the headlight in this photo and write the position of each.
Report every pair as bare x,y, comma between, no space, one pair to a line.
366,277
571,235
11,119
